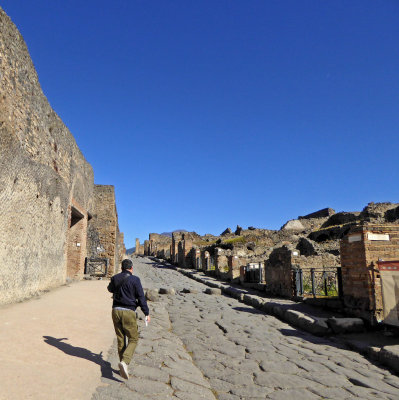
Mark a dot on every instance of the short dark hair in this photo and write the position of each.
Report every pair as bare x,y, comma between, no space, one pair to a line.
127,264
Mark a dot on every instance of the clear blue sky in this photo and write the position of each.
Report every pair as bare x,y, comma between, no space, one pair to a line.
207,114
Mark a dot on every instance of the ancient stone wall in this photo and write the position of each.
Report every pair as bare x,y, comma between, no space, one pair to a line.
159,245
46,185
139,248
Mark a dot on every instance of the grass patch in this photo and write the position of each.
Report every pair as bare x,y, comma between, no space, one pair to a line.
239,239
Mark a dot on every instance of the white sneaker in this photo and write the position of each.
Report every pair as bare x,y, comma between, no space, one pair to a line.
123,370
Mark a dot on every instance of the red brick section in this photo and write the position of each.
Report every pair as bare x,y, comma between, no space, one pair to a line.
360,275
234,264
76,245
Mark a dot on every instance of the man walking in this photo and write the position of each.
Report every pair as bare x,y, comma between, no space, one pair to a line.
128,295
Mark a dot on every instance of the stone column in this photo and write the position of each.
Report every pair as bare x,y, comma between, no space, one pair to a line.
137,251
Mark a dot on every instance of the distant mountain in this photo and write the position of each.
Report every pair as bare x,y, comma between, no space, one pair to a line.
131,250
169,234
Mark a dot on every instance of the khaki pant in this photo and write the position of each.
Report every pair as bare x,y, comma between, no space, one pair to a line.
125,325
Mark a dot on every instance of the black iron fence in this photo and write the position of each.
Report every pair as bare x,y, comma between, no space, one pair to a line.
96,266
318,282
253,273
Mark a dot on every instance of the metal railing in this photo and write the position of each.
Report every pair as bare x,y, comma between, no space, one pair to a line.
96,266
253,273
318,282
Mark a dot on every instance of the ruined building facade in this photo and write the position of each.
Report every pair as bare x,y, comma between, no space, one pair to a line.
48,198
105,239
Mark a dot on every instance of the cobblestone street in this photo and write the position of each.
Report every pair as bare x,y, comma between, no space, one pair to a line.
203,346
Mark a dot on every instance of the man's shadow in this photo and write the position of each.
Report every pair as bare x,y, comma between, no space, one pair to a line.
106,369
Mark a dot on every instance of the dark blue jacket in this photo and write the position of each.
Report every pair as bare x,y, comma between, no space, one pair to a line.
130,295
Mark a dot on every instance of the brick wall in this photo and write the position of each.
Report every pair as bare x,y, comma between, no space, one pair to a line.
76,241
235,263
360,275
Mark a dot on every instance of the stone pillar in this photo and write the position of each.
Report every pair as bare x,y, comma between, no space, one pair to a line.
146,247
221,263
174,254
137,251
361,249
187,247
279,272
234,267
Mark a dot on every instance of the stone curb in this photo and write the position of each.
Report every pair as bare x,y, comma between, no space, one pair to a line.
387,355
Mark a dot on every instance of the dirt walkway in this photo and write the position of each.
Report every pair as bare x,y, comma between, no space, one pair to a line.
55,347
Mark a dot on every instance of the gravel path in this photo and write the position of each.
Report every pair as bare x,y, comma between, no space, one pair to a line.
201,346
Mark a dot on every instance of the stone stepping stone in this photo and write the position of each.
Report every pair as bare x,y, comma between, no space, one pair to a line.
213,291
151,295
193,291
170,291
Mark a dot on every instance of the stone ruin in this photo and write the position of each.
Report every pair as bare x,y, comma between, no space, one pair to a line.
139,249
270,259
54,218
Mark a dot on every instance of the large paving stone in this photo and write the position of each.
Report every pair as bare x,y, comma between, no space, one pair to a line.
169,291
220,386
282,381
228,396
213,291
280,367
191,388
374,384
297,394
330,392
149,387
150,373
251,391
152,295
